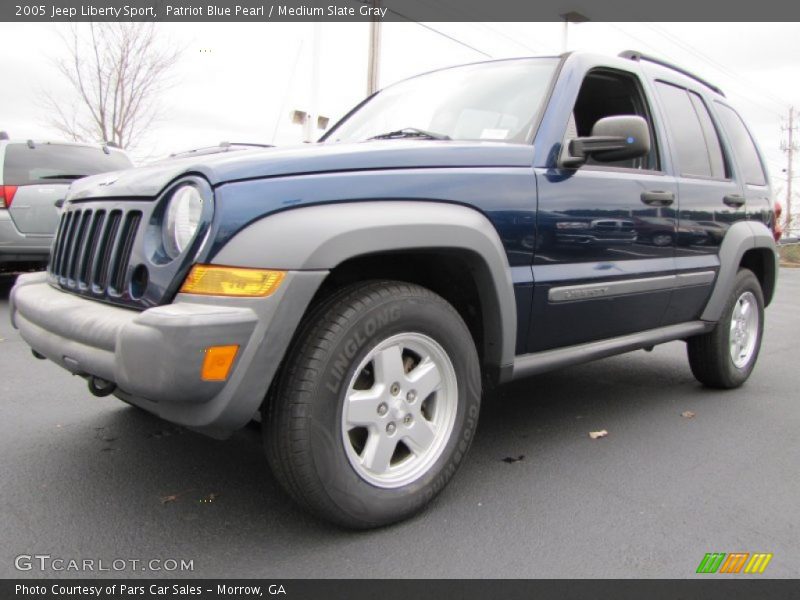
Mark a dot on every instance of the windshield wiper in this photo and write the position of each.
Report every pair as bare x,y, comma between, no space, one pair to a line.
65,176
410,132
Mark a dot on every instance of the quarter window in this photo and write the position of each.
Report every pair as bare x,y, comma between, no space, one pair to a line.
743,146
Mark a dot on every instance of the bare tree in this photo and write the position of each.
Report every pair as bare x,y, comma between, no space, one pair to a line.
117,71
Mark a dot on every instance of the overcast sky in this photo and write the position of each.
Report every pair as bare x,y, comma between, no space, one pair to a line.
240,81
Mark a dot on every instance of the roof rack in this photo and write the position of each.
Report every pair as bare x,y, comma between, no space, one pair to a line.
639,56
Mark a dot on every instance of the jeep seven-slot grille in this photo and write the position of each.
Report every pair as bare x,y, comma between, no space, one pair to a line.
93,249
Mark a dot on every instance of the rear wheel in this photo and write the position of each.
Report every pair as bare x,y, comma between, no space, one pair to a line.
725,357
376,405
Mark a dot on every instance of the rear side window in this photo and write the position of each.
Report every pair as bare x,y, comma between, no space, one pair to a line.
693,134
57,163
743,146
715,156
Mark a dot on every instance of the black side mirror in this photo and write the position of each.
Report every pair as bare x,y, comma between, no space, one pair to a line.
613,138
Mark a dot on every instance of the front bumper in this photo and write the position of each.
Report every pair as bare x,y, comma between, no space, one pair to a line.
155,356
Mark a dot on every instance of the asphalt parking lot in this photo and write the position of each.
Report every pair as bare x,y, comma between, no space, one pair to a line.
84,477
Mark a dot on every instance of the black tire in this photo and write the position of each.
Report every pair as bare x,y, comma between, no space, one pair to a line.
710,354
303,417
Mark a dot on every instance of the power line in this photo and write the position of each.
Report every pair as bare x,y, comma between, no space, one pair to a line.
472,16
715,64
441,33
456,40
512,39
660,51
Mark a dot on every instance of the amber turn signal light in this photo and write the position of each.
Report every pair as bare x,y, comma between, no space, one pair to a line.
218,362
213,280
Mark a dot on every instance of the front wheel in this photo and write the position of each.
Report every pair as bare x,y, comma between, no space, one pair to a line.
376,406
725,357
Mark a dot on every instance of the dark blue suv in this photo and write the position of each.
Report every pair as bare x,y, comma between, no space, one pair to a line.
457,230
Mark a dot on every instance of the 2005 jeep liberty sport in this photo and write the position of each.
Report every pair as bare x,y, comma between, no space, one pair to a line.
454,231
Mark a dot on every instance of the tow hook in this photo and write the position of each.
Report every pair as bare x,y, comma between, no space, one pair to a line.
101,387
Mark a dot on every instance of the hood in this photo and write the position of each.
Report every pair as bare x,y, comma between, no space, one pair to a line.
149,181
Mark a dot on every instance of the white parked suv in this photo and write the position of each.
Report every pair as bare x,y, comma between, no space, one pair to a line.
34,177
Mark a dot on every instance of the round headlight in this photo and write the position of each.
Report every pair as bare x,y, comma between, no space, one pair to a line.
182,219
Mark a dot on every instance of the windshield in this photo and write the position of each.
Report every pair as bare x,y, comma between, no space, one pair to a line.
57,163
497,101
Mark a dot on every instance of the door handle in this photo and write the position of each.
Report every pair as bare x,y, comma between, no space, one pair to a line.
658,198
734,200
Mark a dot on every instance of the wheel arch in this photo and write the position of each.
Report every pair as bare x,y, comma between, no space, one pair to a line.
761,261
446,247
750,245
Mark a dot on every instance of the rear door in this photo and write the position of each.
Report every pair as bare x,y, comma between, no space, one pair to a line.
43,173
750,167
710,199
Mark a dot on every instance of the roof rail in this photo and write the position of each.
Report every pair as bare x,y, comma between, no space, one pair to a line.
639,56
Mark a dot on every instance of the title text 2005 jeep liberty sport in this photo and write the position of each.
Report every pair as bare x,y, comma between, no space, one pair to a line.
460,229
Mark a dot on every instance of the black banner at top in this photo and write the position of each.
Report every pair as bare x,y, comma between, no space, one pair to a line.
398,10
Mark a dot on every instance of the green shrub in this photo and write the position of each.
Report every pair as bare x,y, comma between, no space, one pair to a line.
790,254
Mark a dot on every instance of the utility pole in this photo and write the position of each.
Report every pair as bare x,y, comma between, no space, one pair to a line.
570,17
789,147
373,65
310,126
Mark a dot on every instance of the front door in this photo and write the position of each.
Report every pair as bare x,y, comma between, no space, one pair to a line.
604,260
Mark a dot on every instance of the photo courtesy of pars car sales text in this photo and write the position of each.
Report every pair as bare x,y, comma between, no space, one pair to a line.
153,590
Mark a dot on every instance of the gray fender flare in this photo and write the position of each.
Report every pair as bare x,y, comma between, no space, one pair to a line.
741,237
323,236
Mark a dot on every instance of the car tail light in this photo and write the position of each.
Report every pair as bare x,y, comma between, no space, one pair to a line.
777,230
7,195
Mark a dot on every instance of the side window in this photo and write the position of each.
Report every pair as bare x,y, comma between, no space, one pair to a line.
743,146
715,156
693,134
609,93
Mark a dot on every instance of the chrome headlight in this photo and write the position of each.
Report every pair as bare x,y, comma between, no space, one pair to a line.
182,219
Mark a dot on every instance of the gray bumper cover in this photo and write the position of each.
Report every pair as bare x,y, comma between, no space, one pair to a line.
155,356
18,247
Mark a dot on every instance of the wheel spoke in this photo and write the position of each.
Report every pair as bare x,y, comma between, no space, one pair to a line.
425,378
378,452
362,406
375,420
420,435
389,365
744,308
744,329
